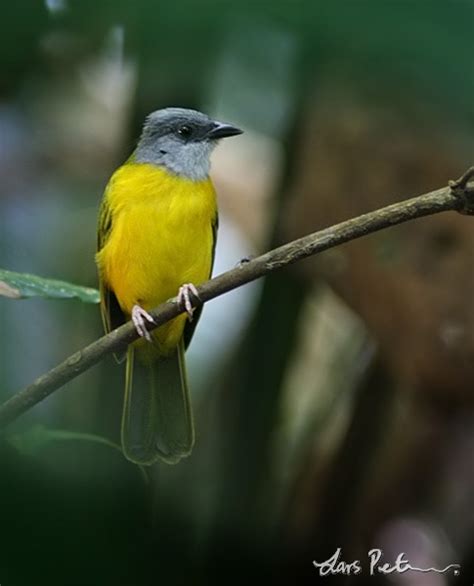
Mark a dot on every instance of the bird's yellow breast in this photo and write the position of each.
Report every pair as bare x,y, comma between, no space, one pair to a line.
161,236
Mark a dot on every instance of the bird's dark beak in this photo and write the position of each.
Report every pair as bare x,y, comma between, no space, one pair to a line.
221,130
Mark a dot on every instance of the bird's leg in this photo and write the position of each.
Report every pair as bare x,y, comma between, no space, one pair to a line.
139,318
184,298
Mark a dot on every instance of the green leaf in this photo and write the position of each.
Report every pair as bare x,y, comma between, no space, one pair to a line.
23,285
34,439
38,437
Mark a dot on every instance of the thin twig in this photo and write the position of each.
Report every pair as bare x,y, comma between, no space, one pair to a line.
459,197
461,189
463,180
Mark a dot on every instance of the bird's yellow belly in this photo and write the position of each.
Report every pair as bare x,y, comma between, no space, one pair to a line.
156,245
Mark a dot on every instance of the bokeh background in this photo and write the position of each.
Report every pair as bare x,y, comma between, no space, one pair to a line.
334,399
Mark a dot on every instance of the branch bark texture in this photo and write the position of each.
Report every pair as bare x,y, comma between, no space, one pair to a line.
458,196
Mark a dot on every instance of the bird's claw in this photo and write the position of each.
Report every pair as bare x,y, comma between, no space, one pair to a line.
184,298
139,318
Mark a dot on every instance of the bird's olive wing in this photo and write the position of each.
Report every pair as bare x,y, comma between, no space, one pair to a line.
191,326
112,314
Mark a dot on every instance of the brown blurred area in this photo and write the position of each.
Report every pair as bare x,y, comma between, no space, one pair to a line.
410,284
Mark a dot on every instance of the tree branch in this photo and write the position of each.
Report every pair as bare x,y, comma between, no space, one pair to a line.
458,196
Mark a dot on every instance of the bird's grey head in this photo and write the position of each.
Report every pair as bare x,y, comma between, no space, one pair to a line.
181,140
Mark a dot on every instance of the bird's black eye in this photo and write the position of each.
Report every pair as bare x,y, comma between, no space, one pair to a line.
185,131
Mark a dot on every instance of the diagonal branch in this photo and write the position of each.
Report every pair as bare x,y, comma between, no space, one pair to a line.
458,196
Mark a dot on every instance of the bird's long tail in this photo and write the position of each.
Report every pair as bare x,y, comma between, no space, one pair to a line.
157,420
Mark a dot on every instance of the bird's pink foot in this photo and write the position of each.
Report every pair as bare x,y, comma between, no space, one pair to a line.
139,318
184,298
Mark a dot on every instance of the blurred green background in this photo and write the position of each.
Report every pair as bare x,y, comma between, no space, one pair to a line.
334,400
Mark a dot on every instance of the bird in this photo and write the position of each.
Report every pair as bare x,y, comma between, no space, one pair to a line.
157,229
